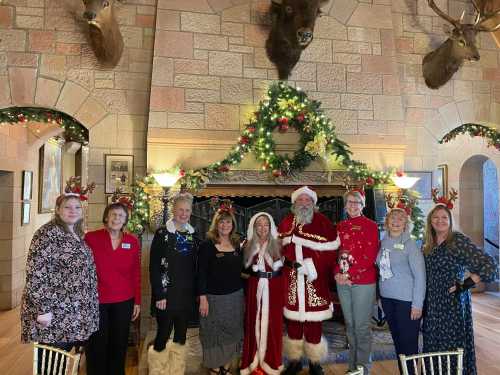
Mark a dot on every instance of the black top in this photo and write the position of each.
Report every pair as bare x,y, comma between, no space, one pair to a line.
219,272
172,269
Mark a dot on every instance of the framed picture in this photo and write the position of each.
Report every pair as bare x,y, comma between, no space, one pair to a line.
424,185
440,179
50,172
119,173
27,185
25,213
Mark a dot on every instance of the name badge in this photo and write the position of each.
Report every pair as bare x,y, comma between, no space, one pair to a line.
356,227
126,246
399,246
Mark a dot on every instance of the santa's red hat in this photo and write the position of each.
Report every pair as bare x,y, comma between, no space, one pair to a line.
307,191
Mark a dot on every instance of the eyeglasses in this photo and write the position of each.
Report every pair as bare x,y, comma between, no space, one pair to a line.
352,202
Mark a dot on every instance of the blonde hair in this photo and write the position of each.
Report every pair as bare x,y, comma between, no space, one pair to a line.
182,197
213,232
391,213
430,233
273,244
78,228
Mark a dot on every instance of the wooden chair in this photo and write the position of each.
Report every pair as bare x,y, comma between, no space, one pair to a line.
359,371
54,361
438,363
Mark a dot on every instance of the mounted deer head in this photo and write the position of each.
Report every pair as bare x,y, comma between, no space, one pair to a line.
105,37
291,31
439,65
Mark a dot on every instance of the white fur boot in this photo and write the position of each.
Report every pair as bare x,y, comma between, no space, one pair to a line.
158,362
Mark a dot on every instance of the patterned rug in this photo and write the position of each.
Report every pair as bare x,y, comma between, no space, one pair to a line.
382,344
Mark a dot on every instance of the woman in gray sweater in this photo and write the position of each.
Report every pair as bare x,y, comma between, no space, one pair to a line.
401,283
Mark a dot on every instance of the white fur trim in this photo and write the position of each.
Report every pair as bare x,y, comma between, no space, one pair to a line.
269,370
293,349
309,316
319,246
316,352
311,270
252,366
277,265
307,191
272,230
301,284
171,226
262,323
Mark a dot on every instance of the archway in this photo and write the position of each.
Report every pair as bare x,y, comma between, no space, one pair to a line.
23,130
479,204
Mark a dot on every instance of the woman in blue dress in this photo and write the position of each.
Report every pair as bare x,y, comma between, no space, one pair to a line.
447,313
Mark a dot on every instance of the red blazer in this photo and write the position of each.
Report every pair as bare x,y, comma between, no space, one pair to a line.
359,238
118,271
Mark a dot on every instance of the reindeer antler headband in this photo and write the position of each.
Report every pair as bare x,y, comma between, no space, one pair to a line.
442,200
74,188
125,200
400,201
222,205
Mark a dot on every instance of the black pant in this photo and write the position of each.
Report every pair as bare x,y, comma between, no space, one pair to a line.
404,331
107,348
60,364
168,320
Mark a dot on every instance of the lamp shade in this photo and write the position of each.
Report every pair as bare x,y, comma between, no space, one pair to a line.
404,182
166,179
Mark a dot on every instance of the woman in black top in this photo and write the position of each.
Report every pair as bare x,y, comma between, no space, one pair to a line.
172,271
221,293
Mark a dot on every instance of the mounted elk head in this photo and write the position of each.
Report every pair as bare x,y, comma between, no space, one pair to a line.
439,65
105,37
291,31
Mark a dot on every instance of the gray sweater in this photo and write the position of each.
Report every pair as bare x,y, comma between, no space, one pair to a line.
408,268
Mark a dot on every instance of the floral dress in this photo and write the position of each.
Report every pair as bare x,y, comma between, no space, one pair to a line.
61,279
447,323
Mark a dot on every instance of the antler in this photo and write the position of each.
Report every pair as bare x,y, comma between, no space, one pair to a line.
440,13
482,17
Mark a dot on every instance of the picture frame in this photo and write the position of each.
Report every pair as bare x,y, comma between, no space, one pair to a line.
50,175
25,213
440,179
424,185
119,173
27,193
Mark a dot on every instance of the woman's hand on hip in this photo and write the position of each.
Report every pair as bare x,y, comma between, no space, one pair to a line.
415,313
44,319
136,312
203,306
161,304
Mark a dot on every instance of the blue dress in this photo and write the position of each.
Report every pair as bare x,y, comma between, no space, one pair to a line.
447,323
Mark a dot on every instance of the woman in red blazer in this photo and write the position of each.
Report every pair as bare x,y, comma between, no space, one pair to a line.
117,257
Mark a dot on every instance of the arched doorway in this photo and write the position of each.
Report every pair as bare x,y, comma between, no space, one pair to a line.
23,130
479,204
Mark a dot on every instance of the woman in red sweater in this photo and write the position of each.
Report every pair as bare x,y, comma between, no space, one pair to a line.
117,259
356,277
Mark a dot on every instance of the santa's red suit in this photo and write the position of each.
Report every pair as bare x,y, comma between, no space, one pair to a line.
265,297
308,300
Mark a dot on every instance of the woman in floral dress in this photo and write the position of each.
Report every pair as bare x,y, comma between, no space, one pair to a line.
59,304
447,313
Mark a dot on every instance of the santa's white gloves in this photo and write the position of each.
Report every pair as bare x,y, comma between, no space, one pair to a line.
45,319
307,268
277,265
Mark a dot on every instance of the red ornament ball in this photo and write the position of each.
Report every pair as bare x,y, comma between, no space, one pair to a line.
301,117
370,181
244,140
277,173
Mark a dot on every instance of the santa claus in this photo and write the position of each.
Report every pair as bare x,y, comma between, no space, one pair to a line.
309,242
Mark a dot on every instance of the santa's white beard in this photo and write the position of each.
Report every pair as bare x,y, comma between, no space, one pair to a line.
303,214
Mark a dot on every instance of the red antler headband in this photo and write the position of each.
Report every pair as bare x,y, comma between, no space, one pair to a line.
224,205
398,201
442,199
125,200
74,188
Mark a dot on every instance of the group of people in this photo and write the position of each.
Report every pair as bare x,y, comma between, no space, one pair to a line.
83,289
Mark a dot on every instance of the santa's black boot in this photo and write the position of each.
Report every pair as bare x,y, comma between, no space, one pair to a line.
315,369
293,368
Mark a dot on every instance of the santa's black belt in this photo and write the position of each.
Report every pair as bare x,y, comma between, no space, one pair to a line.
265,275
291,264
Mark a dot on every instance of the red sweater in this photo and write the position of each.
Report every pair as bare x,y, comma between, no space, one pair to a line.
118,271
359,237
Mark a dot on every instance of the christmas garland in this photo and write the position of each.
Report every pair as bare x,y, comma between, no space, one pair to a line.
474,130
287,107
73,130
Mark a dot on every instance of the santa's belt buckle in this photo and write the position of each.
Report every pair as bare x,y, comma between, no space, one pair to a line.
269,275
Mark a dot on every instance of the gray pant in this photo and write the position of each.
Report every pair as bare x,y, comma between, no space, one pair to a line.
357,306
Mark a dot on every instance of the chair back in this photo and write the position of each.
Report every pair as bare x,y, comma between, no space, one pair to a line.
359,371
48,360
439,363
